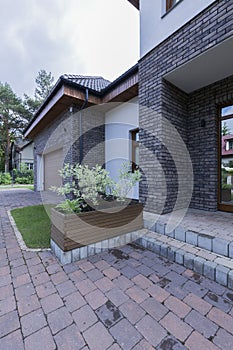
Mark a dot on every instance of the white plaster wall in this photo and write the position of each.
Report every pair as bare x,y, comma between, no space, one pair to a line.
27,152
118,123
154,28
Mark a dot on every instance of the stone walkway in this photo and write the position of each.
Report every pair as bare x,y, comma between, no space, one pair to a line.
127,298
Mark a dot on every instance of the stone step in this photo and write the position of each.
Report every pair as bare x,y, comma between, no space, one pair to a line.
205,240
209,264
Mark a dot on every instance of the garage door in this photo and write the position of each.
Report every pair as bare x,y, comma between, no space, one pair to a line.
53,162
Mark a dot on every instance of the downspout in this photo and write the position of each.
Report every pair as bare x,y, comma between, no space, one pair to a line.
81,126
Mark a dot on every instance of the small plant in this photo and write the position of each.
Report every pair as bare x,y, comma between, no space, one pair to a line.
226,186
23,175
5,179
87,188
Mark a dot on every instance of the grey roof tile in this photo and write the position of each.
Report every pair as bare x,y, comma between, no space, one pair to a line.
91,82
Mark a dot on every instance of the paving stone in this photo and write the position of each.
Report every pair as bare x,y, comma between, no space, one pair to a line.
28,304
94,275
158,293
170,343
77,276
220,246
94,340
129,272
69,339
24,291
19,271
85,265
51,303
222,275
137,294
209,269
204,241
84,318
180,234
142,281
85,286
177,306
191,237
74,301
197,303
154,308
111,273
17,262
45,289
65,288
105,284
12,341
21,280
7,305
32,322
40,340
6,291
59,277
151,330
95,299
179,256
5,280
109,314
195,288
9,323
218,301
143,344
125,334
197,341
223,339
36,269
102,265
222,319
201,324
33,261
213,286
41,278
54,268
123,283
59,319
144,270
132,311
117,296
176,327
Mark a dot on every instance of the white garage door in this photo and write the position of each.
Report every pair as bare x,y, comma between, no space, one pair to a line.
53,162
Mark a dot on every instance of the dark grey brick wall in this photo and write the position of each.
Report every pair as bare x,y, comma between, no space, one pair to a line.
161,101
64,132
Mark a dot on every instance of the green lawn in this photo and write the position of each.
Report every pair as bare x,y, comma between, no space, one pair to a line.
30,187
34,224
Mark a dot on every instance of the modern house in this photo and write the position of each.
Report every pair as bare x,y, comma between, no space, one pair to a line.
185,86
22,153
85,120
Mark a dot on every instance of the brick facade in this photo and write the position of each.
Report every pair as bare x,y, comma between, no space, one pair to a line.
162,155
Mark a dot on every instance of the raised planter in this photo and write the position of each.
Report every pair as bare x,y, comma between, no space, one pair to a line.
72,231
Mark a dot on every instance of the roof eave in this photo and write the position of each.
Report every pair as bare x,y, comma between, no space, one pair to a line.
135,3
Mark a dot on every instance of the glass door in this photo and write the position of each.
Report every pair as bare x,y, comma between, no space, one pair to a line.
226,159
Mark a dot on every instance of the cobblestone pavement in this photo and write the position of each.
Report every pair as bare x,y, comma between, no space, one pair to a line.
127,298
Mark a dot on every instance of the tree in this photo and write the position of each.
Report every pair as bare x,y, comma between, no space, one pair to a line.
44,84
13,119
225,129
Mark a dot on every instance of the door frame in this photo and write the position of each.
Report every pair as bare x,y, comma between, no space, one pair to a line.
222,206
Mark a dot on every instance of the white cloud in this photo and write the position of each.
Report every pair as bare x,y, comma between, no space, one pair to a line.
98,37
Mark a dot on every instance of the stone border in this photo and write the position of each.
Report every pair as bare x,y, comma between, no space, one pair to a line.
213,244
211,265
95,248
20,238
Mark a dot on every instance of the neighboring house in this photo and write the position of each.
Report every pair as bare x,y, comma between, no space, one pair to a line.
22,153
227,148
85,120
185,78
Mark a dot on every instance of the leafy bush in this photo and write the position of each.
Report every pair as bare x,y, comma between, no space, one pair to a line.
23,175
87,188
226,186
5,179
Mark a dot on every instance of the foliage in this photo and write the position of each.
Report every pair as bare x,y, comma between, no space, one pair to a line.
23,175
5,179
36,232
44,84
13,119
225,129
87,187
226,186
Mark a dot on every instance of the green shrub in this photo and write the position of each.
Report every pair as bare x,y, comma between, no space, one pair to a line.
5,179
23,175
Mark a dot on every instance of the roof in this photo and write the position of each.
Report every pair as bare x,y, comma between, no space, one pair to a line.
135,3
72,87
91,82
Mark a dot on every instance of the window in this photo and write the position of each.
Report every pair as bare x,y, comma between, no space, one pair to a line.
230,144
29,166
170,4
135,148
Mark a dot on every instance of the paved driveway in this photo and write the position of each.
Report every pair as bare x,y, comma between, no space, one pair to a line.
127,298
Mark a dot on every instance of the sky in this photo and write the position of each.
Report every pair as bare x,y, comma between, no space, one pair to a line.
87,37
